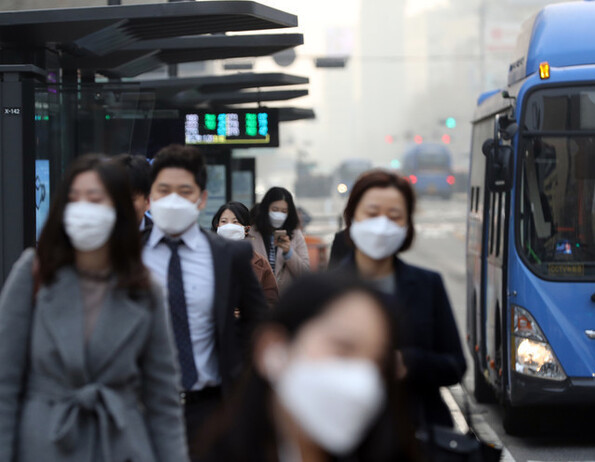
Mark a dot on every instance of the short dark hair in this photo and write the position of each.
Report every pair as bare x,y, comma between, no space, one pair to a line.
261,219
381,179
237,208
55,249
178,156
139,172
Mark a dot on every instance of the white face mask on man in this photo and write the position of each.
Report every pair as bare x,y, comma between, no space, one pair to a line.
334,400
88,225
232,231
173,214
377,237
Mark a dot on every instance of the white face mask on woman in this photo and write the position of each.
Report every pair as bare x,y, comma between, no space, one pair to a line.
173,214
232,231
377,237
88,225
277,219
334,401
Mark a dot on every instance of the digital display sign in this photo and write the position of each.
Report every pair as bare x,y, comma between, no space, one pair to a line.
233,128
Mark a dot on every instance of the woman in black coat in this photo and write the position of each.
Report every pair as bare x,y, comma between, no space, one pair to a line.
379,225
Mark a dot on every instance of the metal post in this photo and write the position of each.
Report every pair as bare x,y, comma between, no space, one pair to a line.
17,168
482,46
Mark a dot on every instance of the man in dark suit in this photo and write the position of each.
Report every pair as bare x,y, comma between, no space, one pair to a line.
207,278
139,173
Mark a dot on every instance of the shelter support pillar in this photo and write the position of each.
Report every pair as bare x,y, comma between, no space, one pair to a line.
17,163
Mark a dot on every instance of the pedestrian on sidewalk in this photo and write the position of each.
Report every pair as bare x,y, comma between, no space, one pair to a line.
275,235
139,172
232,221
88,367
322,386
379,226
214,298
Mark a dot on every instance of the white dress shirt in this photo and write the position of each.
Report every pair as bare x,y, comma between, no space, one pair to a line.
199,289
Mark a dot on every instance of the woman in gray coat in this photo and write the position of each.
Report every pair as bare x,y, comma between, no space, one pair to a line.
88,372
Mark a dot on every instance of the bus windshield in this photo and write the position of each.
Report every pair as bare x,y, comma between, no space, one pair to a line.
557,194
557,206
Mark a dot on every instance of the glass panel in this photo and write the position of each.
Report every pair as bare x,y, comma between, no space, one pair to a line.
217,189
561,110
557,210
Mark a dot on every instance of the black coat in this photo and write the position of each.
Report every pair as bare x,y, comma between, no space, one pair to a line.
339,249
428,338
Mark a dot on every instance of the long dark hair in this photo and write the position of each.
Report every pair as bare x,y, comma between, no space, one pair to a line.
247,422
261,219
381,179
237,208
55,249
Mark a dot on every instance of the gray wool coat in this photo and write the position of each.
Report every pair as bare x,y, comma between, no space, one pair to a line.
113,400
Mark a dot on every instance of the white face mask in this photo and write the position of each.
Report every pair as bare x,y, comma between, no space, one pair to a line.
277,219
334,401
173,214
377,237
232,231
88,225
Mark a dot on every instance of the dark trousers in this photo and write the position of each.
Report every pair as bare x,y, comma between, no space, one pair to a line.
199,406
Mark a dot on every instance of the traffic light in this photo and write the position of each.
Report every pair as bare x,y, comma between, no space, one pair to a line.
450,122
446,138
418,139
395,163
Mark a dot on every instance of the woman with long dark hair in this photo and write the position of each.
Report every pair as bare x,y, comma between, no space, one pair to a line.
379,218
232,221
277,237
88,366
322,385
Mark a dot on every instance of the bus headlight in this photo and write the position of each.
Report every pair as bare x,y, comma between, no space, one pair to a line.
532,354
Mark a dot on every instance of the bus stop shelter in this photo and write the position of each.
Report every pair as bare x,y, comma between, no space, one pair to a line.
49,95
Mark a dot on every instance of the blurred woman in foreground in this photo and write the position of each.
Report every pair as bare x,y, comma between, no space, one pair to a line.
321,384
379,226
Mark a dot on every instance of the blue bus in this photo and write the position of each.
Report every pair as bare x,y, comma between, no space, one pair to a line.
428,167
531,223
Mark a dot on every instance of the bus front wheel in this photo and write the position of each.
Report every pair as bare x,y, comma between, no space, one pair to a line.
517,421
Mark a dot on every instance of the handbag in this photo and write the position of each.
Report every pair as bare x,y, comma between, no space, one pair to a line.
444,444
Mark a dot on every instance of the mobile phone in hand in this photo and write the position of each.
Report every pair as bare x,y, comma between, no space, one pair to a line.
278,233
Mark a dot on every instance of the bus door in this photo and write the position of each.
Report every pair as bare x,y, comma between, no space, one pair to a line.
486,270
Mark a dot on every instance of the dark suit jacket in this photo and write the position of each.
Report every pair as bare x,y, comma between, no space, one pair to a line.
427,336
236,287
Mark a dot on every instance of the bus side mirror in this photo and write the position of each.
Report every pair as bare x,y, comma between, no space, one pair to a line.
499,166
